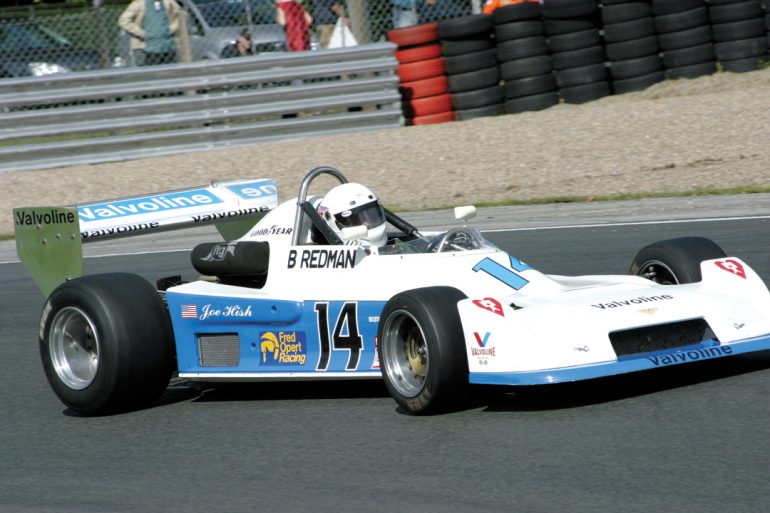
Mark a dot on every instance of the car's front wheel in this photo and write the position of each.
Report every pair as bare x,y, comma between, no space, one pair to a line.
106,343
675,261
422,350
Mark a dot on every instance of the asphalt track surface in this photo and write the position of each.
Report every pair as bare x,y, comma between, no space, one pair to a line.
691,439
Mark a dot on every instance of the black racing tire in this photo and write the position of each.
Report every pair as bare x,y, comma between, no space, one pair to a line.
741,49
740,65
675,261
452,47
555,27
479,112
468,62
531,103
577,58
635,67
528,67
688,56
517,12
681,20
529,86
465,26
517,29
632,49
574,41
629,30
685,38
478,98
744,29
422,352
672,6
106,343
586,92
735,11
625,12
569,8
638,83
692,71
521,48
478,79
582,75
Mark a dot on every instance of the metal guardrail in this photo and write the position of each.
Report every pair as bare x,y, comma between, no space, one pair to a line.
125,114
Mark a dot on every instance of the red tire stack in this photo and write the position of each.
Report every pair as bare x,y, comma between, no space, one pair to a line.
424,88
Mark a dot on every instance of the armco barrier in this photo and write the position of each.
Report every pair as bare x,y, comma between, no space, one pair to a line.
126,114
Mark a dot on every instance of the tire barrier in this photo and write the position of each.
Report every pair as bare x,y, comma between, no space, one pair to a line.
740,33
424,87
532,55
472,69
634,62
522,50
685,38
577,53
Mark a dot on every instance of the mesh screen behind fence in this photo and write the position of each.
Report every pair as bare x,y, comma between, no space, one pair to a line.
41,39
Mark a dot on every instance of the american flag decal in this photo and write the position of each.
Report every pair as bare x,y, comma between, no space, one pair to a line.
189,311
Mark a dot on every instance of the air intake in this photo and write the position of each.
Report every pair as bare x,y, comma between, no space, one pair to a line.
219,349
661,336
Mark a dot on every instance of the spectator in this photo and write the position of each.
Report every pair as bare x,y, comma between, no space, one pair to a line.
240,47
326,13
296,22
152,25
405,12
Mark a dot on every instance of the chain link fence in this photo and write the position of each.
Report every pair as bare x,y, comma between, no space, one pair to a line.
74,35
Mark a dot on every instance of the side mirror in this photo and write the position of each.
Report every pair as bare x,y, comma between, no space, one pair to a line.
354,232
466,212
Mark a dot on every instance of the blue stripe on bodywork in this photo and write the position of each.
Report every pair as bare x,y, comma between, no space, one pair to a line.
275,337
699,352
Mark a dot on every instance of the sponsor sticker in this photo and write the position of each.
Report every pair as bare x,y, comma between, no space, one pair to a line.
162,203
732,266
484,349
254,190
491,304
282,348
693,355
35,217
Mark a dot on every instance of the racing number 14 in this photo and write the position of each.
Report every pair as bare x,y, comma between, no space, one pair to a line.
351,341
502,273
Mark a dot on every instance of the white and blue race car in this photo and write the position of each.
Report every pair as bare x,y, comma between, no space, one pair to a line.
431,313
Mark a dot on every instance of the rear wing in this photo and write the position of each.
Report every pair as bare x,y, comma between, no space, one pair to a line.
49,239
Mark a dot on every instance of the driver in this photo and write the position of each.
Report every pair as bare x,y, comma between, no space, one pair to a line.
352,204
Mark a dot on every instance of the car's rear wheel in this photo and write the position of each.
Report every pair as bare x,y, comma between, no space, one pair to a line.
675,261
422,350
106,343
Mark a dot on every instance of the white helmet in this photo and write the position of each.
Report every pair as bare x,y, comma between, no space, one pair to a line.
352,204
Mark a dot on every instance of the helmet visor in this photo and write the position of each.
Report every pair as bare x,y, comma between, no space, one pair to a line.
370,214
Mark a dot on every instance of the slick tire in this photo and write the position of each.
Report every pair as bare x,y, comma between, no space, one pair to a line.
675,261
479,112
478,98
106,343
692,71
639,83
423,88
422,350
531,103
586,92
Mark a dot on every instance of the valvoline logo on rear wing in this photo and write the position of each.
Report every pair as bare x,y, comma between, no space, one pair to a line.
49,239
220,202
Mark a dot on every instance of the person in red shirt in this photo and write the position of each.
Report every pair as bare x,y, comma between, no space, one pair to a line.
296,22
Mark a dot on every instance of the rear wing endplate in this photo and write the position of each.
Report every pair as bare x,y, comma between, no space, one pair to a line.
49,239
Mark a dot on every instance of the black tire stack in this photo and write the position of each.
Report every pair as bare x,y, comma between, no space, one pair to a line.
739,32
631,45
685,38
470,59
522,50
577,53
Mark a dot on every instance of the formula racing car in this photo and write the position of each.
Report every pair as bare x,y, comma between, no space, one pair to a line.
339,287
